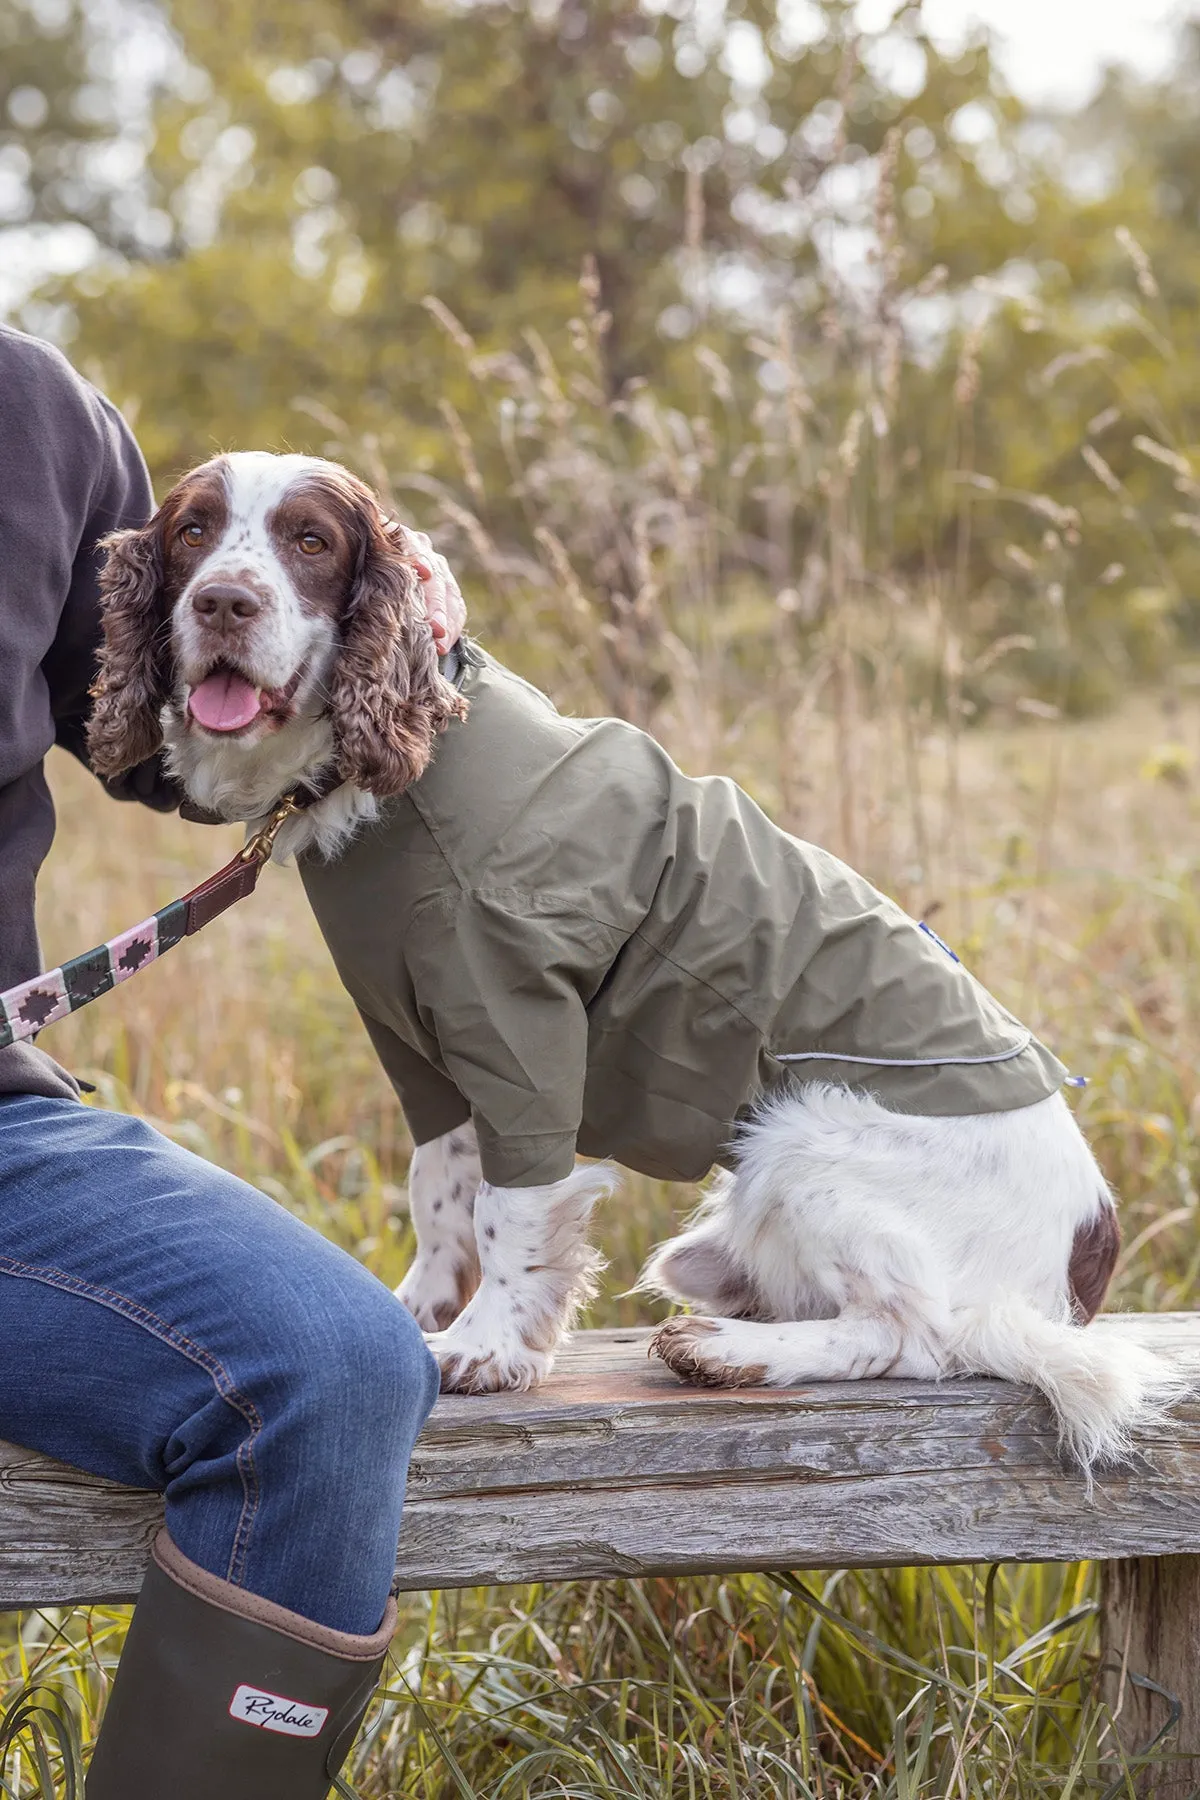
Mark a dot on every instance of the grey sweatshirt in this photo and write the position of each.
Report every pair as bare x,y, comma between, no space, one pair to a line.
69,472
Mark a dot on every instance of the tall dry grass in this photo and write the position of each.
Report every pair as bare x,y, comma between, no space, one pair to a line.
1059,856
725,574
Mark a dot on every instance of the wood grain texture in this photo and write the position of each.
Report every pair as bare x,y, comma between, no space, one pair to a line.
613,1468
1150,1630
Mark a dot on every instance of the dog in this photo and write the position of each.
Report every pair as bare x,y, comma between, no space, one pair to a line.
902,1189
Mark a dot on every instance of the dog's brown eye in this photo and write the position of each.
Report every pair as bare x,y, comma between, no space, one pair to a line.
192,535
312,545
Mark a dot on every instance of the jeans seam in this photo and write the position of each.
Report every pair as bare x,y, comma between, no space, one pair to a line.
226,1388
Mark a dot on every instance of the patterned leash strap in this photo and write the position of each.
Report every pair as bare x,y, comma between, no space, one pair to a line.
29,1008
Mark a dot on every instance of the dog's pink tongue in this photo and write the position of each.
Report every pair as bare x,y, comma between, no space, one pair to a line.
224,702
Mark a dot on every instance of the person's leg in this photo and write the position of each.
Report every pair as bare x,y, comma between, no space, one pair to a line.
165,1325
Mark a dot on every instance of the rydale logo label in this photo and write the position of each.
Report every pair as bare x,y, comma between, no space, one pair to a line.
272,1712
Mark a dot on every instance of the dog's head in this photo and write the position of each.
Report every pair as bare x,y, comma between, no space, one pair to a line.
267,593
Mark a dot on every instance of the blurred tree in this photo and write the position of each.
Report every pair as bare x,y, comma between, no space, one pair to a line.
1088,409
324,167
274,193
76,119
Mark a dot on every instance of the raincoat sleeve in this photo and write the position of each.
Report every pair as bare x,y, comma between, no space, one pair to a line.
511,974
431,1103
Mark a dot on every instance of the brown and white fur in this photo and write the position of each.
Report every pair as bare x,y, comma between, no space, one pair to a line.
333,636
850,1242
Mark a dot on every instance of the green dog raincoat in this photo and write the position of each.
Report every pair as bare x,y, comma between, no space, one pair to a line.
557,934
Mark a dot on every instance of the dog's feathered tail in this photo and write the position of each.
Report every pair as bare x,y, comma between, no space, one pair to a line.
1103,1387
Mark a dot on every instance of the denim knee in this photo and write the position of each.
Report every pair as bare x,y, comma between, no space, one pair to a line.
381,1371
346,1389
355,1373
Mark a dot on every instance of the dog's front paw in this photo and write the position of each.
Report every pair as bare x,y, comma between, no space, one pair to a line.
705,1352
435,1291
472,1363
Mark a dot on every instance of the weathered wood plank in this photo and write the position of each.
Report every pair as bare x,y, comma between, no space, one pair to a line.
614,1468
65,1536
1150,1627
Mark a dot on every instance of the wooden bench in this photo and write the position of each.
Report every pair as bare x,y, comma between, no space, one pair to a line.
613,1468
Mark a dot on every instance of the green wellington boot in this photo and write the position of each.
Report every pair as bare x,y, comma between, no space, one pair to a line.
222,1696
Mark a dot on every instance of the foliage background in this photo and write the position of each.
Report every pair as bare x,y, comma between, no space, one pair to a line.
798,393
265,199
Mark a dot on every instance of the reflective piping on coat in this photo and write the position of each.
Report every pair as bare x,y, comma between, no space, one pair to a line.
902,1062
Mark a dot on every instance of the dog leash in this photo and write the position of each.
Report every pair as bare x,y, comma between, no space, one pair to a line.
32,1005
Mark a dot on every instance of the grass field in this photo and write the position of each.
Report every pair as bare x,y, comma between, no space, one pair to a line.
1059,857
770,568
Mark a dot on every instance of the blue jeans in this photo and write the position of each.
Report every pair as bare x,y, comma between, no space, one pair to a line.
165,1325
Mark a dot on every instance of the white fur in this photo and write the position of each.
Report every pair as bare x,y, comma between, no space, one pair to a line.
246,783
538,1270
856,1242
867,1243
241,777
442,1184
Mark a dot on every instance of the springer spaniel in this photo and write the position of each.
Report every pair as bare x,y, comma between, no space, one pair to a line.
266,627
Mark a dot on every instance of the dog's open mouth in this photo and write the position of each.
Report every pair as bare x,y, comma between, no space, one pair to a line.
228,702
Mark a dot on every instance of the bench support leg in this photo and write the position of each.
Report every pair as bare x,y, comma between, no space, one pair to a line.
1150,1624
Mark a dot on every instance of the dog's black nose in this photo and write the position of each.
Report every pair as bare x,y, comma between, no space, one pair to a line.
223,603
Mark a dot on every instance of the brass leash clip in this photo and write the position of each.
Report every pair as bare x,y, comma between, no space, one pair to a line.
263,842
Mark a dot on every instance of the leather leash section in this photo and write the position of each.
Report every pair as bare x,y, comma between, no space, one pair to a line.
29,1008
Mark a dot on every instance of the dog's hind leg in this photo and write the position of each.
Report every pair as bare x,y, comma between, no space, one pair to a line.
701,1268
856,1346
442,1184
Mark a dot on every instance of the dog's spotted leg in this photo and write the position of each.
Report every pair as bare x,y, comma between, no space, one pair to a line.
538,1270
856,1346
442,1184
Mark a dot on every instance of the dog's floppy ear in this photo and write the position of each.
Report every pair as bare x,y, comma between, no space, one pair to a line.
132,683
386,697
